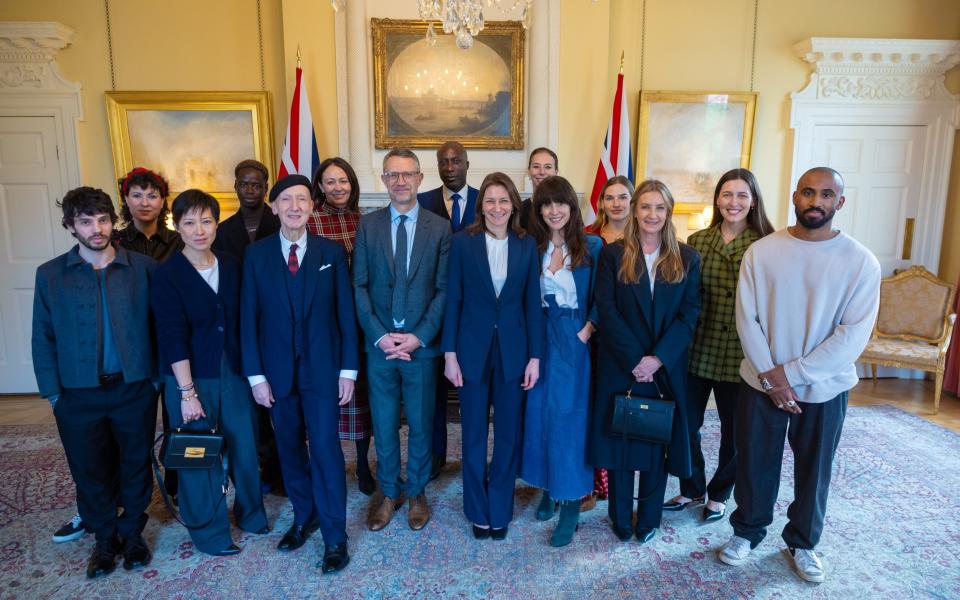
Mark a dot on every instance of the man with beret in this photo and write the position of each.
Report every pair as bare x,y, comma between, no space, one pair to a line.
299,340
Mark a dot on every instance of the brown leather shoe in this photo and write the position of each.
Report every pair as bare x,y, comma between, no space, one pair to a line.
588,503
381,511
418,514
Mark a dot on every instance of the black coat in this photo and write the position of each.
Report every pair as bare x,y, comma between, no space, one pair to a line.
632,325
232,235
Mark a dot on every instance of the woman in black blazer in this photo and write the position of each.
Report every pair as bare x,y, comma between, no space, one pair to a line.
195,296
492,343
646,324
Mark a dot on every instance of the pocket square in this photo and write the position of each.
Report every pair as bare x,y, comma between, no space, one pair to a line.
326,266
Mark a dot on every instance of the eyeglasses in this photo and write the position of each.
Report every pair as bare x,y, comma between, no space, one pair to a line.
395,176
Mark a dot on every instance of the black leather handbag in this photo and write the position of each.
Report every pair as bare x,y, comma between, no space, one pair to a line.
643,418
192,450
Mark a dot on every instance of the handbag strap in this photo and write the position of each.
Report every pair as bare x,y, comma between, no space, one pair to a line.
166,497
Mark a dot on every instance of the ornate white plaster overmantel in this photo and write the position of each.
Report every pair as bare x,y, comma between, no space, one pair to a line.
878,69
28,51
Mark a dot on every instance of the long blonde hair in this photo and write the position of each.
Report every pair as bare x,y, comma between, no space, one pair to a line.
669,264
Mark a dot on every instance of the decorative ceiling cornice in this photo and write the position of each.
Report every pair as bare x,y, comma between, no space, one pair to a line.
879,69
28,52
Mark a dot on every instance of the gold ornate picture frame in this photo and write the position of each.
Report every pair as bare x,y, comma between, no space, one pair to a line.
193,139
689,139
425,95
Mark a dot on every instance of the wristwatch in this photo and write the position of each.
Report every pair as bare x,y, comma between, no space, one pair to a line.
765,383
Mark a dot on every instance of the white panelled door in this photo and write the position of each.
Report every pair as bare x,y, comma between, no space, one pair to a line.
30,234
881,166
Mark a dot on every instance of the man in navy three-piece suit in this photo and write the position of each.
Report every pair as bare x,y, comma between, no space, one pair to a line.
457,202
300,354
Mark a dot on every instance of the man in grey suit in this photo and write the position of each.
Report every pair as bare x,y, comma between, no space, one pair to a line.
400,281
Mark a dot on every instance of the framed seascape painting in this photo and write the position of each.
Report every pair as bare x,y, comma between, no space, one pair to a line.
426,94
689,139
194,139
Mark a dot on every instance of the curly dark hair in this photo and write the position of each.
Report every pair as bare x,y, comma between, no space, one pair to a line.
86,201
143,178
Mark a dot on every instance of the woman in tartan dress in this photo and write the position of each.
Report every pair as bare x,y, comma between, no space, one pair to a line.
336,197
738,221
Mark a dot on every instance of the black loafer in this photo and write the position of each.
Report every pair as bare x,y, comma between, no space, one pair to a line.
713,515
498,534
623,533
230,550
103,559
366,485
645,534
436,466
335,558
296,536
262,531
136,554
481,533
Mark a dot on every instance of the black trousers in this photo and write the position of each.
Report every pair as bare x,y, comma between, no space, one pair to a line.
813,436
95,423
651,489
438,446
725,394
269,457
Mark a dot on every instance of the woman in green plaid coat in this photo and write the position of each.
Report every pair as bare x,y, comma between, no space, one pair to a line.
738,221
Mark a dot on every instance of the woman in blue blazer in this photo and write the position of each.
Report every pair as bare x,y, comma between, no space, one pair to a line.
555,427
648,297
195,296
492,343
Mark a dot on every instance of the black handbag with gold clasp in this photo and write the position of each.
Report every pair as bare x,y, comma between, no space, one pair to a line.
192,450
643,418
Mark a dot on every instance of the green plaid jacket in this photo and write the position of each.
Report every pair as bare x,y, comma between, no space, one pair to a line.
716,351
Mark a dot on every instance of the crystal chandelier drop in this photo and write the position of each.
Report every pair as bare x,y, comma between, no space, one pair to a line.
464,18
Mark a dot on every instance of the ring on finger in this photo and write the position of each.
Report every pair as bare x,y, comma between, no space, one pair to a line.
779,406
791,403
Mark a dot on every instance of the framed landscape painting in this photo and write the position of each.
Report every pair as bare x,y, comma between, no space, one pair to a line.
427,94
689,139
193,139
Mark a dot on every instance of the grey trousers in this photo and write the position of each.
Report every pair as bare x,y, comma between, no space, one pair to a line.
813,436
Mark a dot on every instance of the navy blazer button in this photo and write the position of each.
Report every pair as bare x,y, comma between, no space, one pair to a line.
220,329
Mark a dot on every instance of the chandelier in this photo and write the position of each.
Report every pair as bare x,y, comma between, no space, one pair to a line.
464,18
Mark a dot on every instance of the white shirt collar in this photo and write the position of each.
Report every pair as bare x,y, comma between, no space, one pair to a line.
448,194
285,243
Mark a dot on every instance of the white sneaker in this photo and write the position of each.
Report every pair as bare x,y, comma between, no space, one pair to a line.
807,564
735,552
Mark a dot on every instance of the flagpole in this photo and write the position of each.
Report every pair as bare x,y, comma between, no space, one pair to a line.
298,59
622,53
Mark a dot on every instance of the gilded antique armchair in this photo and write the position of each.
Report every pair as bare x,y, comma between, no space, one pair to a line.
913,326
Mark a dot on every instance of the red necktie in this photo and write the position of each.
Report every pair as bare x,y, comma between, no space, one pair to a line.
292,263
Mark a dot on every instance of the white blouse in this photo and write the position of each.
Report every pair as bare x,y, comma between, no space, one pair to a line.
561,284
651,271
497,257
212,276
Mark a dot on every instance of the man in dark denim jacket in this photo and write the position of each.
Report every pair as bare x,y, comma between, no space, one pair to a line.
93,355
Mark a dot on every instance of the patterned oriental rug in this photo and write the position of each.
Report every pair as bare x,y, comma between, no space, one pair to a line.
892,532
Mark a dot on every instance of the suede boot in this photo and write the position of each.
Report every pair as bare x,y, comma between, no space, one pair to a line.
546,507
567,525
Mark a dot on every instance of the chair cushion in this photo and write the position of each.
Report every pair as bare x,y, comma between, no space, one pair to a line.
900,350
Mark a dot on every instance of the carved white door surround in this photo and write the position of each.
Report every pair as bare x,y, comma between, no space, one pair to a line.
885,99
39,161
355,98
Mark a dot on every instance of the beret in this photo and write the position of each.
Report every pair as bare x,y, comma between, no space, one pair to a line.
286,183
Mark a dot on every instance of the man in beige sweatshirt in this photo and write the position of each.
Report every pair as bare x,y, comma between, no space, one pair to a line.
807,299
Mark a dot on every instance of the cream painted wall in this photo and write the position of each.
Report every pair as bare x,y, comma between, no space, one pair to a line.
158,45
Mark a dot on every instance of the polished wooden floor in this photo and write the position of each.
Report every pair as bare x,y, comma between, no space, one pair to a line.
912,395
